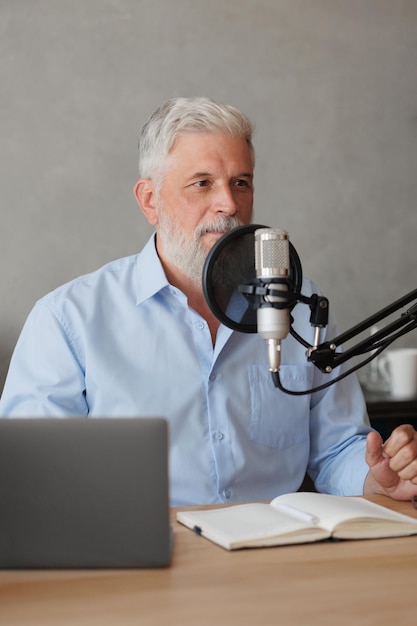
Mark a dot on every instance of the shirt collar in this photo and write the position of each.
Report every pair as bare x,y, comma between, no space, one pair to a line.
150,273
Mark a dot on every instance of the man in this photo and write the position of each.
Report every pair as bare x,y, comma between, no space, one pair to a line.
137,338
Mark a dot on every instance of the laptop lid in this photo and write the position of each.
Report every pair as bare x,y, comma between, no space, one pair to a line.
84,493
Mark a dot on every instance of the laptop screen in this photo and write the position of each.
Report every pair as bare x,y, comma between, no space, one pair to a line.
84,493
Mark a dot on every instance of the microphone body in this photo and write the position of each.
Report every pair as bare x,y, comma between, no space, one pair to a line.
272,265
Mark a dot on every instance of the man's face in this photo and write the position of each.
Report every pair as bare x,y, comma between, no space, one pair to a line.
206,191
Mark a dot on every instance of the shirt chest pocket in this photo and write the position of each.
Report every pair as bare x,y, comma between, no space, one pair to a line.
279,420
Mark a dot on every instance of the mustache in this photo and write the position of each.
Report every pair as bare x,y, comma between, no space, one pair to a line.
220,225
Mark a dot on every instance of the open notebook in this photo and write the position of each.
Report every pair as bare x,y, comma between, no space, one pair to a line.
84,493
301,517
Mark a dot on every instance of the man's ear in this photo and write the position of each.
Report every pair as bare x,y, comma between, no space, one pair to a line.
145,194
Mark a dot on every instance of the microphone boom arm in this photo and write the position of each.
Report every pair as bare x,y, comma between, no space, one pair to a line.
325,357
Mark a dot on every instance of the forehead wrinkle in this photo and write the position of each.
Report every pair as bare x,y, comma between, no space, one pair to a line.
239,175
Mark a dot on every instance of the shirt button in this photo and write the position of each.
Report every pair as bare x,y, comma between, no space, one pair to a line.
200,325
212,377
227,493
219,436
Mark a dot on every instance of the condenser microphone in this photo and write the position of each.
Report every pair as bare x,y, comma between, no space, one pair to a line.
272,266
231,287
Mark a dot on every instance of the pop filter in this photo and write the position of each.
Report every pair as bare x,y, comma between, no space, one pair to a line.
230,265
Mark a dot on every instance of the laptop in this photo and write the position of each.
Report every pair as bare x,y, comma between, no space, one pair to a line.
84,493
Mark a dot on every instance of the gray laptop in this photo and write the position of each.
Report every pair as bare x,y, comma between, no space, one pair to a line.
84,493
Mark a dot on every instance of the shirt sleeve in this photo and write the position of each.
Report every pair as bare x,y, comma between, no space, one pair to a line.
46,376
338,419
339,425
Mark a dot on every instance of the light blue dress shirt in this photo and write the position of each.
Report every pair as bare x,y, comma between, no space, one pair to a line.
122,341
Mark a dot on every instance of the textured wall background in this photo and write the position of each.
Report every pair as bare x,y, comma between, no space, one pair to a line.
331,85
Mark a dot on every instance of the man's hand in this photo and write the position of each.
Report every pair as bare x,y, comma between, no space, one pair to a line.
392,465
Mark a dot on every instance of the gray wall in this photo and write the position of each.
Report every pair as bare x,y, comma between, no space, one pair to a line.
331,85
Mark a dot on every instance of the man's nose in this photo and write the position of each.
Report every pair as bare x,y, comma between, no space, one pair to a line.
225,201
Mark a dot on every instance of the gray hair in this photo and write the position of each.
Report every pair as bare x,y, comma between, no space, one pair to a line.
179,115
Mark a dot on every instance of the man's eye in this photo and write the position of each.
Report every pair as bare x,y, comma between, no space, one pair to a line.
242,182
201,183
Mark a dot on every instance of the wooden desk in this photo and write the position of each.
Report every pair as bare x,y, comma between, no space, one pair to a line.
358,582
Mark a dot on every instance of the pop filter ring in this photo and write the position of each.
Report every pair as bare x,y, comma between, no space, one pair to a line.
296,276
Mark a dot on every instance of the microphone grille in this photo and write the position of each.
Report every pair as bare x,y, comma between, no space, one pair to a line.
272,255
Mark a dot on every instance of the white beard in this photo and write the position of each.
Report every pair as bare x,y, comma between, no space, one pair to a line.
189,255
